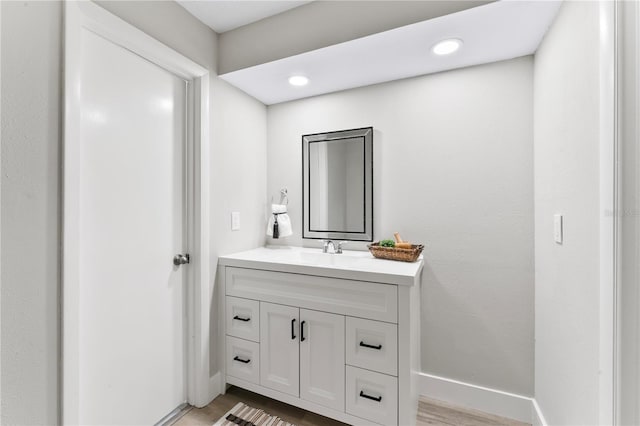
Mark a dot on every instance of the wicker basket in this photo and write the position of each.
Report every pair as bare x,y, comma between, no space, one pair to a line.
392,253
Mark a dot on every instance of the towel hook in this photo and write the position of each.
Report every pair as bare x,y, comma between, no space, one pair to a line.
284,197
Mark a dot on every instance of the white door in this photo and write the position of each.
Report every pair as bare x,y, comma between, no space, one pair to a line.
322,358
131,301
279,351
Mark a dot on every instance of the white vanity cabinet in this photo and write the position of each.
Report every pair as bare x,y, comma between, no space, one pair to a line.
338,336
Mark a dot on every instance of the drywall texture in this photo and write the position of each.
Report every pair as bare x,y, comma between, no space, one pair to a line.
453,166
238,184
31,141
172,25
30,136
566,149
323,23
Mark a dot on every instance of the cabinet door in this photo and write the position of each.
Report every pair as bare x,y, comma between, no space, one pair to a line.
322,358
279,349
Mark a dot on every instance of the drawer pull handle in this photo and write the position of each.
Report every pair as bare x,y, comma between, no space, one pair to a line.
241,319
293,325
244,361
302,339
373,398
378,347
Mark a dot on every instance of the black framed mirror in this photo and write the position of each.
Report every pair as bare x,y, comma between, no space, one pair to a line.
337,182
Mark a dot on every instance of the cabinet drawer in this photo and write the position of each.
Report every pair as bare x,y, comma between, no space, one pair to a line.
243,318
372,396
338,296
372,345
243,359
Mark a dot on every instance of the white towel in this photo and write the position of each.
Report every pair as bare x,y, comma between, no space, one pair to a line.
284,222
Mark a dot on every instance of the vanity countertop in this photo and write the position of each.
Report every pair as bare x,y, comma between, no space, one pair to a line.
353,265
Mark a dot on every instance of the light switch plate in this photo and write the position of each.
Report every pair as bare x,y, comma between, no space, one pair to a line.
557,228
235,221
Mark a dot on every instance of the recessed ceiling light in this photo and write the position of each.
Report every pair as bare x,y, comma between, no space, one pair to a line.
447,47
298,80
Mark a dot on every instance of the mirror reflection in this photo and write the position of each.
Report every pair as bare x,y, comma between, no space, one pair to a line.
336,185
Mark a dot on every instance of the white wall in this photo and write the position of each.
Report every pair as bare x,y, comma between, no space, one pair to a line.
453,170
30,127
566,149
31,99
238,170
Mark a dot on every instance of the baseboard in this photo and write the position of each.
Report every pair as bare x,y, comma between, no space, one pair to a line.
536,414
488,400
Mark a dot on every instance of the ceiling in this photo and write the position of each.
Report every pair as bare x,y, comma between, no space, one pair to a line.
497,31
226,15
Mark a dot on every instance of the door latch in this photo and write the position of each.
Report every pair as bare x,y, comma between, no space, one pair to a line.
180,259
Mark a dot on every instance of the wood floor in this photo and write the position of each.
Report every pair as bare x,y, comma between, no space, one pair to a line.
430,412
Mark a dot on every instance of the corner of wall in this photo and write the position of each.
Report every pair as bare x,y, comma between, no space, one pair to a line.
536,415
567,179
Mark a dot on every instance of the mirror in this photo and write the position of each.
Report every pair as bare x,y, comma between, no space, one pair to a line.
337,171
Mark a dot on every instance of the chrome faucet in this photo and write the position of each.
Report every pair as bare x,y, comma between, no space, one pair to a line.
337,247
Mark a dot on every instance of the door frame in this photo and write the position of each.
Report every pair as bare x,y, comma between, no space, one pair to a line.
608,150
627,322
84,15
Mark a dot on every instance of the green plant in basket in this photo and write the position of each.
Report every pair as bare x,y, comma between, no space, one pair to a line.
387,243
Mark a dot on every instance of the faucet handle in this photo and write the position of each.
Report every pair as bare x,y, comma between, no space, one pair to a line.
325,245
339,247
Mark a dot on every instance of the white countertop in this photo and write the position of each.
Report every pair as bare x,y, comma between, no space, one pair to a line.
354,265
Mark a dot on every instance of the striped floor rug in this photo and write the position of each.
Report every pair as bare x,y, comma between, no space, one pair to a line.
243,415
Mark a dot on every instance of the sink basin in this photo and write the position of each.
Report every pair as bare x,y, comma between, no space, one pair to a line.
330,259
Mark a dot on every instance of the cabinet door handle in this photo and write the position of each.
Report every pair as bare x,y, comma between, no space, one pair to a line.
363,344
293,326
241,319
373,398
244,361
302,339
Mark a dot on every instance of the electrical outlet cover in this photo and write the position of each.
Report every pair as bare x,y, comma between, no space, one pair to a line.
235,221
557,228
